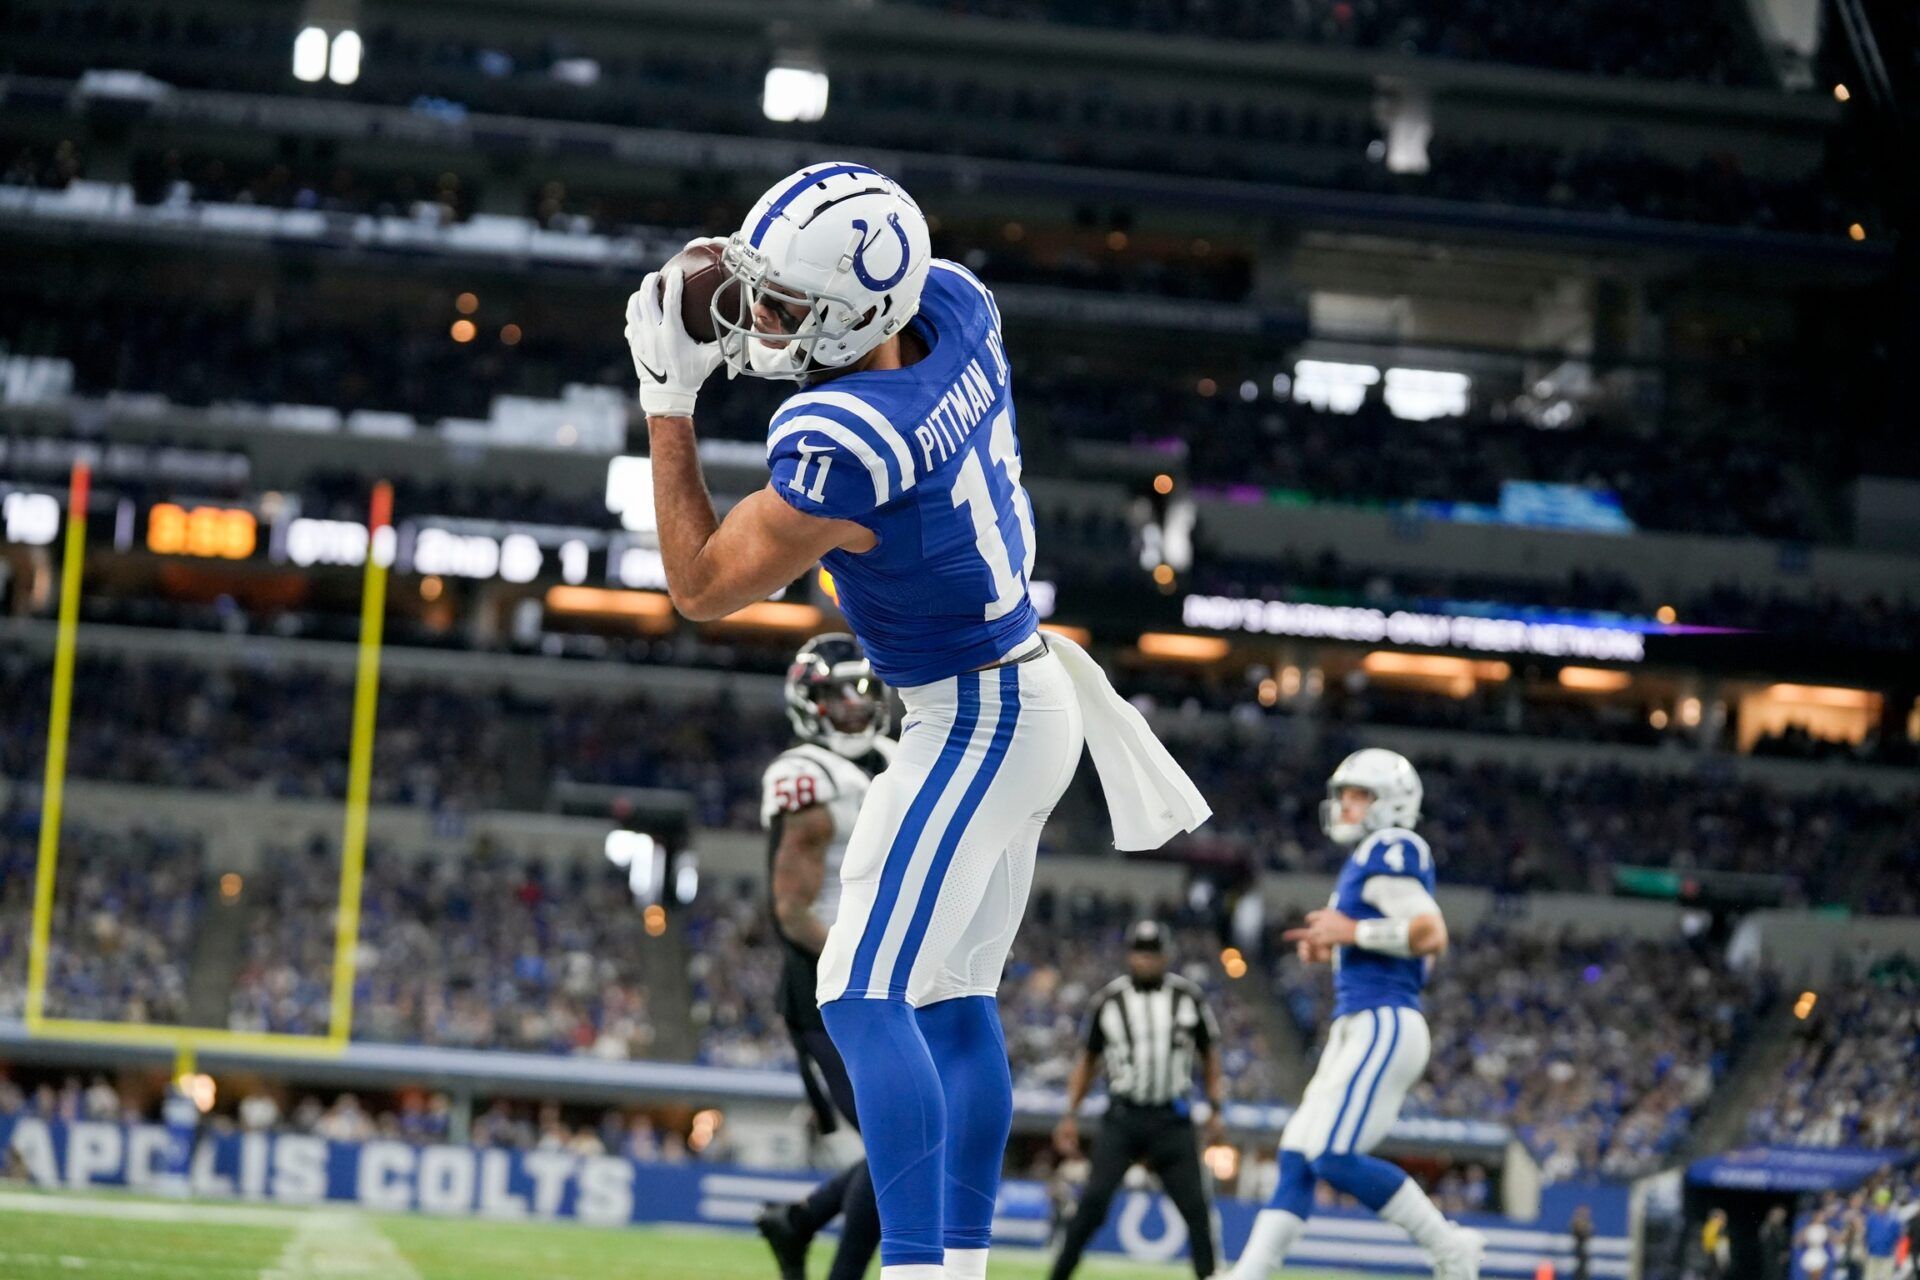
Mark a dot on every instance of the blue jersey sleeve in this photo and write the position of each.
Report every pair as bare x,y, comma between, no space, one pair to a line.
835,455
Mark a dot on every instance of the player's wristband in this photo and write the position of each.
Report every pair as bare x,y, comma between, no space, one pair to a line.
1387,936
665,402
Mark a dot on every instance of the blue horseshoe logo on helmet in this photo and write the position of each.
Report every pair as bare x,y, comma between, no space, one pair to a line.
866,242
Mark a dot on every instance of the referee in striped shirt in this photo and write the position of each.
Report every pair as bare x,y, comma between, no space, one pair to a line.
1147,1028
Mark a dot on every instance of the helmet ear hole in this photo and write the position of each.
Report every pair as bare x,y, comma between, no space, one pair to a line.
866,319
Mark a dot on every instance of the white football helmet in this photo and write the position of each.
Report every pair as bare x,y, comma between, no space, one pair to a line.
1396,794
840,251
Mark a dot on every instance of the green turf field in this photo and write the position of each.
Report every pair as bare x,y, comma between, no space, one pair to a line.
103,1237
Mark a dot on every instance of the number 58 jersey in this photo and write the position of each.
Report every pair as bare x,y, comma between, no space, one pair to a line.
928,459
805,775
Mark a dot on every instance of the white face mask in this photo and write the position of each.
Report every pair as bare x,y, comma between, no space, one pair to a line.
775,360
1338,829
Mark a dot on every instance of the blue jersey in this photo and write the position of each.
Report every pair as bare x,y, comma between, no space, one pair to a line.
927,458
1368,979
1883,1233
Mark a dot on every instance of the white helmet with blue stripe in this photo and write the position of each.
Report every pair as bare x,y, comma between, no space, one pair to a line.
837,253
1394,784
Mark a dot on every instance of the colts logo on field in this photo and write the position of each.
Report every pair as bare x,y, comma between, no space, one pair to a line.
866,242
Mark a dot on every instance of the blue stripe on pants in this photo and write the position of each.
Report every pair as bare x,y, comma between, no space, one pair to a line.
1360,1126
894,870
957,825
1359,1071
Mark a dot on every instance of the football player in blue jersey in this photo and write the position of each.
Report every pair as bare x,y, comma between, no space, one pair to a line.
1381,931
896,464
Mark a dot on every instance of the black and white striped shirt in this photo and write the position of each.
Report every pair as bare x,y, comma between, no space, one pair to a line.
1149,1038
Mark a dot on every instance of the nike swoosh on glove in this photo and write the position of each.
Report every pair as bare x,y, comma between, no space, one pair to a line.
670,364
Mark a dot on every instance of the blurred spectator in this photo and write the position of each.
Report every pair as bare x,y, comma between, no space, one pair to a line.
1851,1080
1590,36
479,952
125,909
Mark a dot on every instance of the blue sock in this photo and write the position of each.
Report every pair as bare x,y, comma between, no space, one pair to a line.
1368,1179
970,1053
903,1117
1294,1191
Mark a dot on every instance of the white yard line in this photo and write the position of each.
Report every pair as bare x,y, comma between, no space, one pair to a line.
108,1206
118,1266
325,1244
337,1245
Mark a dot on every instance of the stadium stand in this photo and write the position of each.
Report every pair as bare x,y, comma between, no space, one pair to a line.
1589,38
1654,253
1712,480
1849,1081
489,952
122,924
447,746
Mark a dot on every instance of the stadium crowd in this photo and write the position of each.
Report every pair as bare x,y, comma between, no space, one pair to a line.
1642,39
1176,129
1850,1081
487,951
1730,473
439,744
1598,1053
1071,946
124,913
1337,153
452,746
1622,1040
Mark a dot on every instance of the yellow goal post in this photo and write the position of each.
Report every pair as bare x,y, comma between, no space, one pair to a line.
183,1040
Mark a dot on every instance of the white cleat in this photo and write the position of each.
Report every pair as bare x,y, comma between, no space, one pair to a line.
1459,1258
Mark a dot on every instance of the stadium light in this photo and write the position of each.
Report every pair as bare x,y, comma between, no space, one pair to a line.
629,492
1420,395
794,95
1594,679
310,55
1822,696
1183,648
1332,385
343,65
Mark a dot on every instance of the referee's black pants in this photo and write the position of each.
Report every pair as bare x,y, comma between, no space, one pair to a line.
1163,1140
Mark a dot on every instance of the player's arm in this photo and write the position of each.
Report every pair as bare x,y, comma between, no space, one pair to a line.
799,871
1410,924
1215,1077
1066,1134
715,567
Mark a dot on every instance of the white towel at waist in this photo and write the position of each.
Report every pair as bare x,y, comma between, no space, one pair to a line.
1150,799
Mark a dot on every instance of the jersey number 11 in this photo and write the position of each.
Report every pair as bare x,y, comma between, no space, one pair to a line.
971,490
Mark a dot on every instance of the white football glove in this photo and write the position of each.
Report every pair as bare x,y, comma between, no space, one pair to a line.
670,364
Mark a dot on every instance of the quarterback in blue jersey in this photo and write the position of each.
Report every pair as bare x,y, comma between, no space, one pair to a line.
1381,931
896,463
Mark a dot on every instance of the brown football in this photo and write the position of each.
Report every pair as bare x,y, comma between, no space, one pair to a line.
705,277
